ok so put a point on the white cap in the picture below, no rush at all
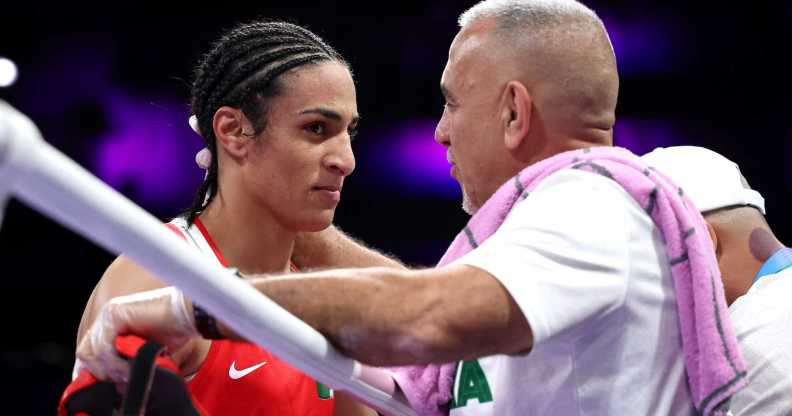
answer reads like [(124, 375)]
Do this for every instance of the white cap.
[(710, 180)]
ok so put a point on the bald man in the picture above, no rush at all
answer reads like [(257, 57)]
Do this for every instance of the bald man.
[(756, 269), (568, 308)]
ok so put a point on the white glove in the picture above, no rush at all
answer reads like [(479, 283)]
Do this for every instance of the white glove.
[(160, 315)]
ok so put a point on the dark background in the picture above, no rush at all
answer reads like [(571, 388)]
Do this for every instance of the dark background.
[(109, 87)]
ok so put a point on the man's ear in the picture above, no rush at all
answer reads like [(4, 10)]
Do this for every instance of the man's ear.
[(516, 114), (714, 237), (232, 131)]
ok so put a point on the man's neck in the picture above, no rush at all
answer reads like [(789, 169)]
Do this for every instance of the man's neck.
[(745, 242), (763, 244)]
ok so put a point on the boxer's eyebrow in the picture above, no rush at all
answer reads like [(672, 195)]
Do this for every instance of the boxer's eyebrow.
[(323, 112), (331, 114)]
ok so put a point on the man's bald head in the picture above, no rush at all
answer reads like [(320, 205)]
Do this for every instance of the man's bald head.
[(525, 80), (560, 50)]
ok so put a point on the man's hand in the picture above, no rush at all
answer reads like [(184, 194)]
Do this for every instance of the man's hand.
[(161, 315)]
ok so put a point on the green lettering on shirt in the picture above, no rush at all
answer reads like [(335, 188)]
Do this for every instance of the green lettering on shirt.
[(472, 385), (324, 392)]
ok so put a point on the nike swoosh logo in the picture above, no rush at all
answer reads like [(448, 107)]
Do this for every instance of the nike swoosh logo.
[(237, 374)]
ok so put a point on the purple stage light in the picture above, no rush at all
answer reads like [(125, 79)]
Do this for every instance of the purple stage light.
[(644, 46), (642, 136), (143, 146), (406, 159), (77, 71), (149, 150)]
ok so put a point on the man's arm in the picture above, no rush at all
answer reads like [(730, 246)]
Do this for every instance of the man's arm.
[(331, 248), (379, 316), (388, 317)]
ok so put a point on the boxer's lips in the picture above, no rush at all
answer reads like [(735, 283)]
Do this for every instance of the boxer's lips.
[(330, 193)]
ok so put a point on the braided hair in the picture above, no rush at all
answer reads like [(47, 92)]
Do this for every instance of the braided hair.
[(242, 71)]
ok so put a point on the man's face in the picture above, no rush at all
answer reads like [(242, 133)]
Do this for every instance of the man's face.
[(469, 127)]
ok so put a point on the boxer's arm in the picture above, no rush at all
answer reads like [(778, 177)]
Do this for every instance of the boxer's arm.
[(331, 248), (125, 277)]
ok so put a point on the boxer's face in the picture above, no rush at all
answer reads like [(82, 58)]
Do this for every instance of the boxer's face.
[(299, 161), (470, 127)]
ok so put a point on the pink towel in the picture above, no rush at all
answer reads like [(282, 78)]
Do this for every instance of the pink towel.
[(713, 363)]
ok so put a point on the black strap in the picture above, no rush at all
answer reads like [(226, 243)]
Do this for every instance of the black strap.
[(141, 377), (155, 391), (205, 323)]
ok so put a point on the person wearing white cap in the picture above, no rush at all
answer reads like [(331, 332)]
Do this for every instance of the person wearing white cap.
[(756, 269)]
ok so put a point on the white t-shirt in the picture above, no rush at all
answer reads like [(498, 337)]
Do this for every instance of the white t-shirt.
[(588, 269), (762, 320)]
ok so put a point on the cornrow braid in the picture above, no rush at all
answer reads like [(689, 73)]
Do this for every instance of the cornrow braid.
[(268, 31), (249, 69), (242, 70), (246, 48), (255, 112)]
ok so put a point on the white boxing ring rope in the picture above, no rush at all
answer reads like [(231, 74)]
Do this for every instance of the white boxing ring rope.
[(50, 182)]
